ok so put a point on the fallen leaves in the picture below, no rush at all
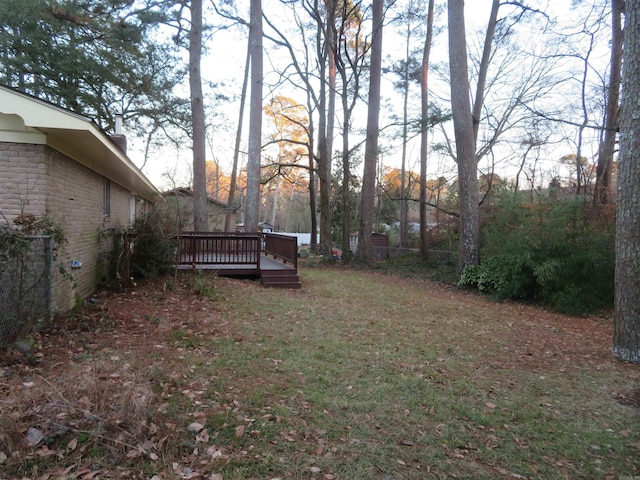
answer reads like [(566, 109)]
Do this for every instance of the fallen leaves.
[(34, 436), (195, 427), (290, 436), (72, 445), (491, 442), (203, 436), (190, 418)]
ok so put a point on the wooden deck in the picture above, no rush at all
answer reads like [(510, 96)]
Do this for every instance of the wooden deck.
[(271, 257)]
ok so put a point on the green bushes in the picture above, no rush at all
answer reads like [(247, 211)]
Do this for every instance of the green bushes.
[(551, 252), (153, 253), (143, 251)]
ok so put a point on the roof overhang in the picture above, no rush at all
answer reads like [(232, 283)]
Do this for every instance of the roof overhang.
[(73, 135)]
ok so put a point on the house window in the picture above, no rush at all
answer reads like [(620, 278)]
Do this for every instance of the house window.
[(132, 209), (106, 197)]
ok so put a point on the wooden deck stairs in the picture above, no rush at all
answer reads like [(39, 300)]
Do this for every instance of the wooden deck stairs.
[(280, 279)]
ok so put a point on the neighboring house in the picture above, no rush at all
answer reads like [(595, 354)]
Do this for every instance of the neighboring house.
[(179, 210), (59, 164)]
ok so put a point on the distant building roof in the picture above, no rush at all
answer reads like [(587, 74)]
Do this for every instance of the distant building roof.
[(187, 192)]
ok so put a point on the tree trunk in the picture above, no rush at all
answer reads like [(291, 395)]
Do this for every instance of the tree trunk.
[(313, 202), (200, 220), (331, 53), (349, 55), (469, 229), (231, 207), (424, 137), (331, 40), (585, 117), (365, 238), (626, 319), (405, 130), (346, 173), (607, 147), (324, 158), (484, 68), (274, 204), (252, 204), (313, 183)]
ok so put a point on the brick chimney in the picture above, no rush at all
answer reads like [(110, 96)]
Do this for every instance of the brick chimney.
[(119, 138)]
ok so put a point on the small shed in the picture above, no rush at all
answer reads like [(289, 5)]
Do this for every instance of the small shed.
[(380, 245), (265, 227)]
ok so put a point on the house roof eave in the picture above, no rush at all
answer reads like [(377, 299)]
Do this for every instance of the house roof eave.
[(79, 138)]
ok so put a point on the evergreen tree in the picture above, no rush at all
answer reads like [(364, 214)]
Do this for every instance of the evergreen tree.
[(98, 58)]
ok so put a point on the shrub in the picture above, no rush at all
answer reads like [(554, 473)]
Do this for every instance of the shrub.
[(143, 251), (549, 253), (202, 286), (27, 250)]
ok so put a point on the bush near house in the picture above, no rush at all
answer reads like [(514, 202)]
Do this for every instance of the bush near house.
[(143, 251), (28, 254), (555, 252)]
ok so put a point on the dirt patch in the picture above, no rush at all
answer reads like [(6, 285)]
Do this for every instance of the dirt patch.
[(628, 398)]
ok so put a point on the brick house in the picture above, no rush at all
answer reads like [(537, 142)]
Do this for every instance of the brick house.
[(58, 164)]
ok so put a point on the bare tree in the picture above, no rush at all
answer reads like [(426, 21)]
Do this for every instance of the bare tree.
[(231, 202), (350, 54), (406, 70), (607, 146), (252, 203), (316, 84), (325, 97), (424, 137), (484, 68)]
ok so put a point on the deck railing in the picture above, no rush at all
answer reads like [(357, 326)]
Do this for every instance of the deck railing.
[(229, 248), (282, 247), (234, 248)]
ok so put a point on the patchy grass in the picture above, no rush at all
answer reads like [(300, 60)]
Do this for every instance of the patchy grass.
[(356, 376)]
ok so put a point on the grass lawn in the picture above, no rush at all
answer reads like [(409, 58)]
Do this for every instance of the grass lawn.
[(357, 375)]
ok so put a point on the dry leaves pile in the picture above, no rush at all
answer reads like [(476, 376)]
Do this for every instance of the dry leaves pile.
[(101, 401)]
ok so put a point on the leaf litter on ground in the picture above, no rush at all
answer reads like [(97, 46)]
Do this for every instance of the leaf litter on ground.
[(406, 377)]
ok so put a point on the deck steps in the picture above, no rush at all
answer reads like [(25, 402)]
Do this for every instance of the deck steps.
[(280, 279)]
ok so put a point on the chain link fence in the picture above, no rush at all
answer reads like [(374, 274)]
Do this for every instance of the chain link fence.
[(25, 284)]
